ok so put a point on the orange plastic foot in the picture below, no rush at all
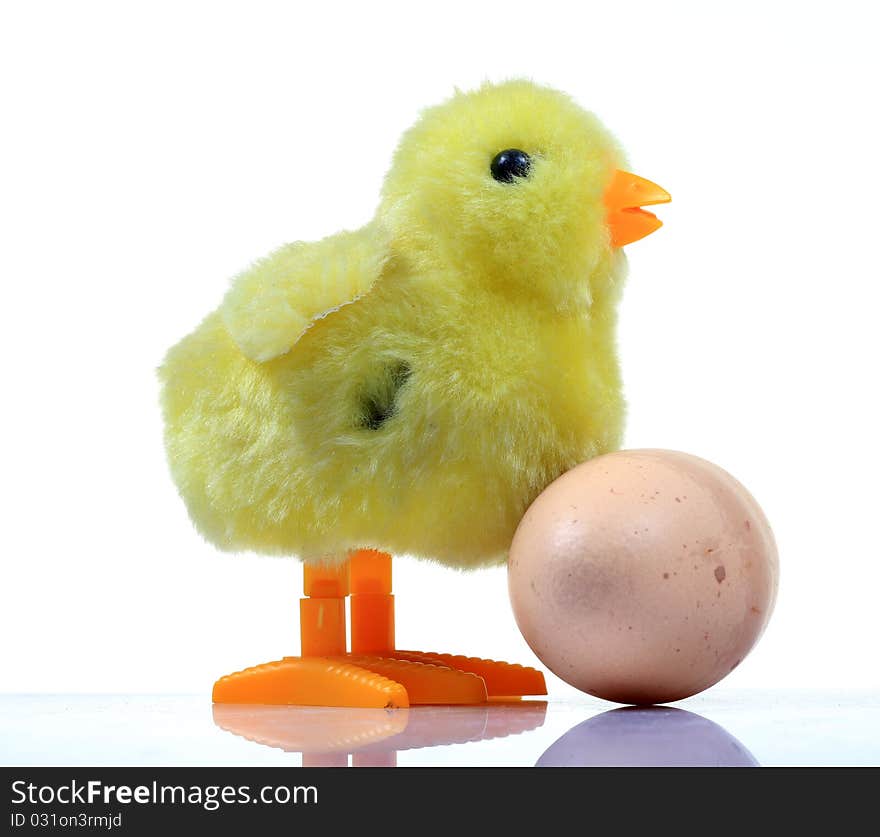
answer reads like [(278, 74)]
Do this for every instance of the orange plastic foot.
[(311, 681), (426, 682), (501, 679)]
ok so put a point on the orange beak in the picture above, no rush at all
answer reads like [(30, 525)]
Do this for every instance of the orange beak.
[(624, 197)]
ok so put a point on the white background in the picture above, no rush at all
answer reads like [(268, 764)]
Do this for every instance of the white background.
[(150, 151)]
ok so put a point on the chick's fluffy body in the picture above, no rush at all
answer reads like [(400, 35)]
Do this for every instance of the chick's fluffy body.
[(413, 385)]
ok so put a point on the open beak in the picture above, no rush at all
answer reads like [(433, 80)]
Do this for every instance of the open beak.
[(624, 197)]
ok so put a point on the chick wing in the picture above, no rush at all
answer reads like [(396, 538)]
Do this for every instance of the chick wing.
[(275, 301)]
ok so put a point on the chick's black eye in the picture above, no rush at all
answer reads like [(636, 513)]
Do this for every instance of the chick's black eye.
[(509, 164)]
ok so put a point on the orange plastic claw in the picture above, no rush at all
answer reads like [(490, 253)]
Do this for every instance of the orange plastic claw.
[(426, 683), (311, 681), (502, 679)]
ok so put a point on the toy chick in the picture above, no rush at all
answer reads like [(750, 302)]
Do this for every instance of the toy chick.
[(410, 387)]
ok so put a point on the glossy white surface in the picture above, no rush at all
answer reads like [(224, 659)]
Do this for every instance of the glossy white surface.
[(732, 727)]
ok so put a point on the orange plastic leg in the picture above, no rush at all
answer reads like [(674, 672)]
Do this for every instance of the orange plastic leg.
[(313, 679), (326, 580), (372, 605), (370, 571), (322, 614), (372, 623), (322, 627), (374, 674)]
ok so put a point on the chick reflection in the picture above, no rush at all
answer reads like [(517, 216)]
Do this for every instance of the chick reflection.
[(655, 736), (327, 735)]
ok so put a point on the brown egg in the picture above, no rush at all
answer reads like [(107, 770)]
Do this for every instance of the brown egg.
[(643, 576)]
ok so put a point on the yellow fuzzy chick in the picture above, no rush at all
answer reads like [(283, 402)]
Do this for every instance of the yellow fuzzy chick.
[(411, 387)]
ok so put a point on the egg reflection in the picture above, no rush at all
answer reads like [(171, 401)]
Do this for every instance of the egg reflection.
[(657, 736)]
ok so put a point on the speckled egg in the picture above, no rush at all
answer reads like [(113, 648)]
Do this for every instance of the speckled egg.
[(643, 576)]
